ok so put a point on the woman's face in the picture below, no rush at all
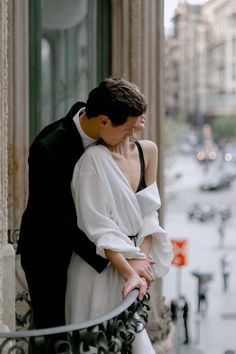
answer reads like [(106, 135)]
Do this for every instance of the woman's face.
[(141, 124)]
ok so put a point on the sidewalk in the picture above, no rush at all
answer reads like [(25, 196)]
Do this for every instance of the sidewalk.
[(179, 348)]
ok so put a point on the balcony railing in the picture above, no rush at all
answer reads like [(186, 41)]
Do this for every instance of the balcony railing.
[(113, 332), (110, 333)]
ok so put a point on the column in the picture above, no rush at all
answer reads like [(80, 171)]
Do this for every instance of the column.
[(18, 126), (7, 256), (137, 55)]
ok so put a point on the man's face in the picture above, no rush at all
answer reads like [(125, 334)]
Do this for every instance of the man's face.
[(113, 135)]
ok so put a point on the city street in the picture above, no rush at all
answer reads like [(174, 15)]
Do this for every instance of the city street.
[(215, 332)]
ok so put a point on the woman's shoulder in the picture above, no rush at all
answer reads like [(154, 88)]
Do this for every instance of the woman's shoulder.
[(149, 148), (148, 145), (150, 153)]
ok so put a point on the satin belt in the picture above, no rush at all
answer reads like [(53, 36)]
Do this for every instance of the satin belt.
[(134, 238)]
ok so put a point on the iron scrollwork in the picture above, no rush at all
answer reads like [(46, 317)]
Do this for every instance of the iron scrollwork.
[(112, 333), (13, 237)]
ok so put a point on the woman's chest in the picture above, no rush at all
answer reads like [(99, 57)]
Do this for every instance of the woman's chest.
[(130, 169)]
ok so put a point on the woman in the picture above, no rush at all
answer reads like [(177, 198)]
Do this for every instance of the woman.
[(117, 211)]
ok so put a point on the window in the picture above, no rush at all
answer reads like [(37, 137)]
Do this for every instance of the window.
[(46, 87), (68, 56)]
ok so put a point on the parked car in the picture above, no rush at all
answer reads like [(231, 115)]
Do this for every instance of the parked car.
[(205, 212), (225, 212), (216, 179), (229, 157), (229, 152), (208, 152)]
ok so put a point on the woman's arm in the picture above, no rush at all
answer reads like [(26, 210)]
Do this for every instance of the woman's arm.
[(146, 245), (144, 267), (132, 279), (161, 248), (150, 152)]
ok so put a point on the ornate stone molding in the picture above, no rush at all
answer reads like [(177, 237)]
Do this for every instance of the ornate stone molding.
[(3, 120), (7, 254), (18, 116), (18, 126), (3, 137)]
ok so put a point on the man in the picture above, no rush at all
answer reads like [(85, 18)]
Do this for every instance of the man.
[(185, 318), (226, 267), (49, 231), (174, 310)]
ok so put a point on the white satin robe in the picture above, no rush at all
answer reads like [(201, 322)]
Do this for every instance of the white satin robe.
[(108, 211)]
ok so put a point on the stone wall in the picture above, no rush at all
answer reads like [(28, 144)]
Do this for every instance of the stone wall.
[(7, 254)]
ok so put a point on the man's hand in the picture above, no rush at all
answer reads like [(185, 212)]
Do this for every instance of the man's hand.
[(144, 268), (134, 281)]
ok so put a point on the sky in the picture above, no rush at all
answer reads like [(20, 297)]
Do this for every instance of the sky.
[(169, 9)]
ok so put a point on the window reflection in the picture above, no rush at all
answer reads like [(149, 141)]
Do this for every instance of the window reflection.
[(65, 58), (46, 93), (82, 59)]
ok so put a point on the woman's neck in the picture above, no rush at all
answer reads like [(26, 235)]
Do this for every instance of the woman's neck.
[(123, 148)]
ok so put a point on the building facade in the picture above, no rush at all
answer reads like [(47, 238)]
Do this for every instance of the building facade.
[(203, 75), (7, 258), (52, 54), (220, 19)]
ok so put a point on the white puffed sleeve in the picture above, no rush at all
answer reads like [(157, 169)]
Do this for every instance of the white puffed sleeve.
[(96, 210), (161, 249)]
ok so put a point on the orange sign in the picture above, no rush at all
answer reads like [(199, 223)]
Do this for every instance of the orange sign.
[(179, 249)]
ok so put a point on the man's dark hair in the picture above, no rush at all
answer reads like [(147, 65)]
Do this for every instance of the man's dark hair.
[(116, 98)]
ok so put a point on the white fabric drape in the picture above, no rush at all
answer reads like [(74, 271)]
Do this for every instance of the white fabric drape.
[(108, 211)]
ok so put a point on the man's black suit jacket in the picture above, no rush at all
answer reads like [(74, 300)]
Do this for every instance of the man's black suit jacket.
[(49, 231)]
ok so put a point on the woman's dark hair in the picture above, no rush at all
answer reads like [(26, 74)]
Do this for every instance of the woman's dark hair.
[(116, 98)]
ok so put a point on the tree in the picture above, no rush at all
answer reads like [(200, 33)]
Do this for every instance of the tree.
[(224, 128)]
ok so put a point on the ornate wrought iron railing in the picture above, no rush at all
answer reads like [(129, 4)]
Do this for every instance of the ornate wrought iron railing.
[(111, 333), (13, 237), (23, 303)]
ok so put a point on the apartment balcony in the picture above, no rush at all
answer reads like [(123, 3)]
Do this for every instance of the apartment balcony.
[(110, 333), (113, 332)]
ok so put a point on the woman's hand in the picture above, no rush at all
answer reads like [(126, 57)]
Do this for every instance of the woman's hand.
[(131, 277), (144, 268), (134, 281)]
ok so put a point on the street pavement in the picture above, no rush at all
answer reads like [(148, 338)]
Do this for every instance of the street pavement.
[(214, 333)]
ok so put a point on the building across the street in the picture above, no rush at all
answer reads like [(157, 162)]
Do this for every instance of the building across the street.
[(201, 61)]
